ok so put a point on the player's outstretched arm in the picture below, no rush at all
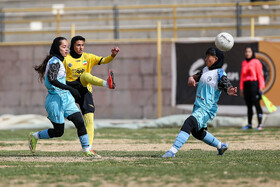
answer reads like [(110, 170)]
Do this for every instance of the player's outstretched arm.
[(109, 58), (232, 91)]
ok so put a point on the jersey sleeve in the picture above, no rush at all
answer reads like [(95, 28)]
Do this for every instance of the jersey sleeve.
[(223, 81), (197, 76), (53, 71), (106, 60), (260, 77)]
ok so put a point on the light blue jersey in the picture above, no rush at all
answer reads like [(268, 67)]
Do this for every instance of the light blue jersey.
[(59, 103), (61, 76), (207, 96)]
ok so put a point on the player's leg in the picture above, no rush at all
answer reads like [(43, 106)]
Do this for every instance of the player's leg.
[(57, 131), (55, 114), (72, 113), (87, 78), (182, 137), (78, 121), (87, 107), (249, 114), (202, 118), (259, 114), (89, 121), (211, 140)]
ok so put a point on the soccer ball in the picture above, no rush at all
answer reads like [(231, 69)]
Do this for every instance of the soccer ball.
[(224, 41)]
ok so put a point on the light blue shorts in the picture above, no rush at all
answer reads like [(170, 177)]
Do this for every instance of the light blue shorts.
[(60, 105), (202, 116)]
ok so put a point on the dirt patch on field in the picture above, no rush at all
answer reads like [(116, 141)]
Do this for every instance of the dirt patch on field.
[(256, 141), (259, 182), (244, 142)]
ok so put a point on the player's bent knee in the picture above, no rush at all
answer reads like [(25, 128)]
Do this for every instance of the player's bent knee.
[(58, 133), (78, 121), (189, 125), (199, 134)]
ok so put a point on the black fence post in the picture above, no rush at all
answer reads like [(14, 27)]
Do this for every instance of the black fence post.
[(238, 20), (116, 22), (2, 26)]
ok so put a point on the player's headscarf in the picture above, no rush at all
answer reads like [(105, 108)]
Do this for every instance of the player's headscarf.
[(54, 51), (73, 41), (253, 54), (217, 53)]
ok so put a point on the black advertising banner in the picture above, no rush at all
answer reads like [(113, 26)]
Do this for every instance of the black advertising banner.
[(190, 60)]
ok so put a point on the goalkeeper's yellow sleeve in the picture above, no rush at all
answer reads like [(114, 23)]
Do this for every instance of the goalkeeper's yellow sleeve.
[(107, 60), (87, 78)]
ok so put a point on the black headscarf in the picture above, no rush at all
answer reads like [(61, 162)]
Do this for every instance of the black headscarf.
[(253, 54), (73, 41), (55, 48), (217, 53)]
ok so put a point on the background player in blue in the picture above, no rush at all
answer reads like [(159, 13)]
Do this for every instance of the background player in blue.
[(211, 81), (59, 101)]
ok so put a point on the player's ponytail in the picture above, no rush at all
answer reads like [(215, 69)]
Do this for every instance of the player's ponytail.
[(42, 68)]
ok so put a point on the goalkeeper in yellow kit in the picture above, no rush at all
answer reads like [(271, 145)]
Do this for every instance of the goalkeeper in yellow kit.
[(78, 66)]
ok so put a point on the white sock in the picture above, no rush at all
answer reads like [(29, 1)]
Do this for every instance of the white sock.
[(86, 149), (90, 147), (105, 84), (36, 135), (173, 150), (219, 145)]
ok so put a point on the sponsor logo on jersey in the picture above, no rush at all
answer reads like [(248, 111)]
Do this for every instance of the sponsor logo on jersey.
[(85, 62), (80, 71)]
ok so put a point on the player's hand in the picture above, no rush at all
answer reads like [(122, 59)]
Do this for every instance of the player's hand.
[(191, 81), (261, 92), (75, 93), (241, 93), (115, 51), (232, 91)]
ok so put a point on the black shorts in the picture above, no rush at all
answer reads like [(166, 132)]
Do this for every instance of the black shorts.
[(86, 103), (251, 91)]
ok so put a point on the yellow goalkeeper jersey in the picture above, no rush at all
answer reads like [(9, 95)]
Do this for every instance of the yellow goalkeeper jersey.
[(75, 67)]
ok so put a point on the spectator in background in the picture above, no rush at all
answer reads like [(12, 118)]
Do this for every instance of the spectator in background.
[(251, 86)]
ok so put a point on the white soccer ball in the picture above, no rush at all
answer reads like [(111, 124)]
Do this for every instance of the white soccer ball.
[(224, 41)]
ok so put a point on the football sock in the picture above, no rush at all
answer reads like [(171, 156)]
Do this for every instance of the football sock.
[(219, 145), (181, 138), (211, 140), (36, 135), (105, 84), (43, 134), (84, 142), (89, 126), (93, 80), (173, 149)]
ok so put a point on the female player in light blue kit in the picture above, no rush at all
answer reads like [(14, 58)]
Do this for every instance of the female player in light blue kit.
[(211, 81), (59, 101)]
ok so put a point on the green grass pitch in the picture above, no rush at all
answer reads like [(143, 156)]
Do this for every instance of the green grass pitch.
[(132, 158)]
